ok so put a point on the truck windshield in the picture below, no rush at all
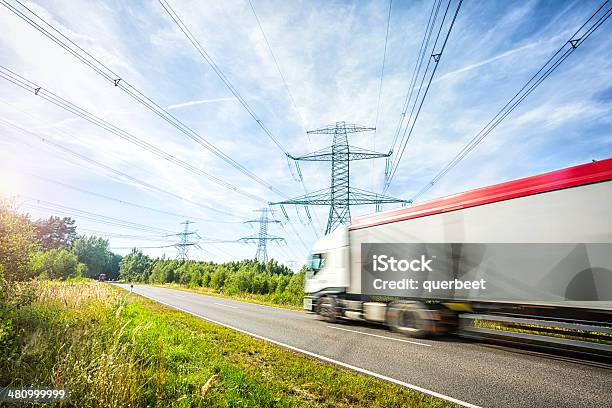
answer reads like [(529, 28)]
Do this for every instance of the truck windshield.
[(316, 262)]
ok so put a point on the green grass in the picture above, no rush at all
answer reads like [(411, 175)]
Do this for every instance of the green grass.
[(245, 297), (114, 349), (581, 335)]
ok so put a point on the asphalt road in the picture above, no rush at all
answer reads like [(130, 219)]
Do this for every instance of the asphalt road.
[(469, 373)]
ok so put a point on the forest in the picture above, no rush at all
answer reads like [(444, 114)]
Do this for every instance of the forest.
[(52, 249)]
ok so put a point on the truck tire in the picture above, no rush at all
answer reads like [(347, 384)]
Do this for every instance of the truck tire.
[(327, 308), (409, 318)]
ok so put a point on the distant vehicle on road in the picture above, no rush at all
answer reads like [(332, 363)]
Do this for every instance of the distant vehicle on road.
[(102, 277), (480, 234)]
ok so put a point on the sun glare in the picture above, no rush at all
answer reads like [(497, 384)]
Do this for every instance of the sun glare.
[(11, 183)]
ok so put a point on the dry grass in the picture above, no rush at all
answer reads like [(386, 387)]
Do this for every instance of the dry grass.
[(113, 349), (67, 339)]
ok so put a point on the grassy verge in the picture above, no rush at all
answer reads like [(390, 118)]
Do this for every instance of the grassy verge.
[(114, 349), (594, 337), (245, 297)]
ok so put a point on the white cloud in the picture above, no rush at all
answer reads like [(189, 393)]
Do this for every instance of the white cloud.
[(197, 102)]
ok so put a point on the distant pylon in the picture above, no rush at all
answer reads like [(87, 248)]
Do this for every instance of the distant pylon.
[(340, 196), (262, 237), (182, 248)]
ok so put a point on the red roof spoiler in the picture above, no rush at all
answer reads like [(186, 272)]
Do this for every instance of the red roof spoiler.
[(580, 175)]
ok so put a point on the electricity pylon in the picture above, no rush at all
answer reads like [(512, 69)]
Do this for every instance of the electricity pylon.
[(262, 237), (182, 248), (340, 196)]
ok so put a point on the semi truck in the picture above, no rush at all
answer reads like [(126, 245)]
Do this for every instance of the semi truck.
[(536, 251)]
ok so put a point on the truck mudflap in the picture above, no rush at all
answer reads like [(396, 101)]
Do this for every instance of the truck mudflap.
[(308, 303)]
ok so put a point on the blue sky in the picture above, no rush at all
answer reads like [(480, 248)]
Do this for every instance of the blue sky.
[(330, 54)]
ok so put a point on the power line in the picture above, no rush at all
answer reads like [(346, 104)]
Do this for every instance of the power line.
[(280, 72), (30, 145), (85, 57), (165, 237), (382, 74), (295, 233), (103, 219), (55, 99), (299, 178), (94, 218), (435, 57), (182, 247), (380, 86), (209, 60), (433, 15), (107, 234), (163, 234), (209, 253), (120, 201), (263, 237), (553, 62), (206, 56), (143, 247), (110, 169), (99, 195), (340, 196), (124, 236), (220, 252)]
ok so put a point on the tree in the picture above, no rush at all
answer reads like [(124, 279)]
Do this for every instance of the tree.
[(158, 272), (17, 243), (81, 270), (163, 271), (135, 267), (56, 232), (217, 278), (112, 266), (295, 289), (93, 252), (55, 264)]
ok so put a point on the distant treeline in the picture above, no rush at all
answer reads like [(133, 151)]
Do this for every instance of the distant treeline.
[(52, 249), (230, 278)]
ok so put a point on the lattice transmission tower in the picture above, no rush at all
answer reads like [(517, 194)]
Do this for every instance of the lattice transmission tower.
[(263, 237), (340, 196), (185, 241)]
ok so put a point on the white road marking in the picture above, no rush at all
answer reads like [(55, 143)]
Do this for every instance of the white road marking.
[(221, 304), (280, 309), (382, 337), (323, 358)]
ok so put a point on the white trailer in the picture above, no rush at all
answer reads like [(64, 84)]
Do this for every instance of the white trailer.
[(569, 206)]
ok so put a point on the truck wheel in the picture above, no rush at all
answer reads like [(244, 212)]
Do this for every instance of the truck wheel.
[(327, 309), (409, 318)]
